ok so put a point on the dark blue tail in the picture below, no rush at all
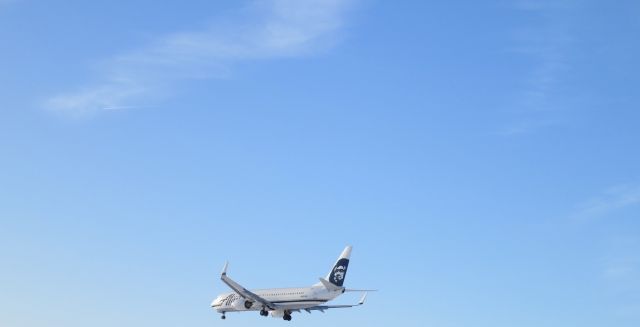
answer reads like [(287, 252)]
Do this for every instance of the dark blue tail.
[(338, 274)]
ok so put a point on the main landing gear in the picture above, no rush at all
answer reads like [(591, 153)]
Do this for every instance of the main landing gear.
[(287, 315), (264, 312)]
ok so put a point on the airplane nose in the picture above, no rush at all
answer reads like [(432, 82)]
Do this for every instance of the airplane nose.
[(216, 302)]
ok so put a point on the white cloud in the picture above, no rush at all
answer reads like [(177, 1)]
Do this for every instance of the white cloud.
[(612, 199), (265, 30)]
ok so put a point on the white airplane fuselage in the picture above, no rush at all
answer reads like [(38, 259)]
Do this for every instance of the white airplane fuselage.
[(294, 298)]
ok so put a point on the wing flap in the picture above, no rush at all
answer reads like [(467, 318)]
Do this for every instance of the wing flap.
[(322, 308)]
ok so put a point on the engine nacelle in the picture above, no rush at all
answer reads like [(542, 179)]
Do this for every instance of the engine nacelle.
[(242, 304), (277, 313)]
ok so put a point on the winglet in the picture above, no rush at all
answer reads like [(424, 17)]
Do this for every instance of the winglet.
[(364, 297), (224, 270)]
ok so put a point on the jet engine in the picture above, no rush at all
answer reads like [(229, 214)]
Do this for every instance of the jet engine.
[(277, 313), (284, 314), (241, 304)]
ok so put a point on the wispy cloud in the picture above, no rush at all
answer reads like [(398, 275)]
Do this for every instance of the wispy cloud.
[(6, 2), (546, 43), (621, 274), (619, 263), (612, 199), (524, 126), (263, 30)]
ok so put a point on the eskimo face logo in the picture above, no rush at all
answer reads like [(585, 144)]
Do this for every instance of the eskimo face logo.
[(338, 273)]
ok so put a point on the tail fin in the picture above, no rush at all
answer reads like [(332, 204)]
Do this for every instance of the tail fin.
[(338, 273)]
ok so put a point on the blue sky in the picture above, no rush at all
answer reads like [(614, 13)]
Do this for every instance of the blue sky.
[(481, 157)]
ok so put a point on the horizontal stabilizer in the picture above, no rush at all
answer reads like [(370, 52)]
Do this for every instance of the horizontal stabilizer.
[(354, 290)]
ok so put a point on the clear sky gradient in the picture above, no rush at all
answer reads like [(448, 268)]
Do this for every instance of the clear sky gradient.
[(481, 157)]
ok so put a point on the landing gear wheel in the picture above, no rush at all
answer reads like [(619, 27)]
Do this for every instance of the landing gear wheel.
[(223, 317), (287, 317), (264, 312)]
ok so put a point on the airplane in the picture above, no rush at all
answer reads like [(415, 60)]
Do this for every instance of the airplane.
[(282, 302)]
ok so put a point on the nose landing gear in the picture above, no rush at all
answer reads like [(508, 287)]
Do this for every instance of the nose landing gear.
[(264, 312)]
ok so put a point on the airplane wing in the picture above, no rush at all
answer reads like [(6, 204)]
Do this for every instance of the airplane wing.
[(322, 308), (245, 293)]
